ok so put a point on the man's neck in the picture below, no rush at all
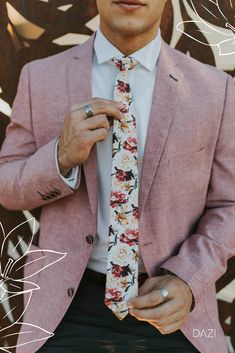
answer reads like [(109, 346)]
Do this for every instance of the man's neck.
[(128, 45)]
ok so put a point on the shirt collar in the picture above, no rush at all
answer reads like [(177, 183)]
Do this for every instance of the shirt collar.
[(146, 56)]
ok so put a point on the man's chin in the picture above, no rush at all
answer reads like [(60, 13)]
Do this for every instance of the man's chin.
[(129, 29)]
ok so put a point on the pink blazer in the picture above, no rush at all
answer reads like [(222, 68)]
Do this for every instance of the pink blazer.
[(187, 190)]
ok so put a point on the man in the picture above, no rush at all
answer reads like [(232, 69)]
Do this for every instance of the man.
[(58, 154)]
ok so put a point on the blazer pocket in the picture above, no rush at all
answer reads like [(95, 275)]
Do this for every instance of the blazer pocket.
[(186, 155), (186, 172)]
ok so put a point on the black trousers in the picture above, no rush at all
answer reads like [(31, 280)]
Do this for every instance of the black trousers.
[(90, 327)]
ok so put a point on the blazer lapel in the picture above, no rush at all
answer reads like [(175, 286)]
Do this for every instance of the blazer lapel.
[(164, 103), (79, 82)]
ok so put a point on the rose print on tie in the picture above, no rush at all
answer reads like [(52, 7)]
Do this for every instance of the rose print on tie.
[(122, 266)]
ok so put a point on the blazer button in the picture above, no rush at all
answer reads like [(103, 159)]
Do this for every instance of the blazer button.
[(70, 292), (54, 193), (90, 239), (57, 191)]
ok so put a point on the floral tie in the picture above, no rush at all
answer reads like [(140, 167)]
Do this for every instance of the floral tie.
[(122, 267)]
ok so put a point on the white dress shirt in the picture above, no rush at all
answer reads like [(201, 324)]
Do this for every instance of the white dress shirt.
[(142, 81)]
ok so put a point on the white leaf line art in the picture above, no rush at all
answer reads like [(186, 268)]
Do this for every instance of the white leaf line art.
[(226, 40), (4, 248), (9, 282), (2, 230), (46, 254), (13, 280), (16, 288), (31, 330), (29, 296)]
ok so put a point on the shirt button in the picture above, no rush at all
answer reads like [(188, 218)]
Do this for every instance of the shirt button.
[(90, 239), (70, 292)]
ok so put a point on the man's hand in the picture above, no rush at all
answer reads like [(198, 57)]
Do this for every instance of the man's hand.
[(81, 133), (169, 316)]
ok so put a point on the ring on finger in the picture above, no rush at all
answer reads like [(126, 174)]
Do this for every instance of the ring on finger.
[(88, 110), (164, 293)]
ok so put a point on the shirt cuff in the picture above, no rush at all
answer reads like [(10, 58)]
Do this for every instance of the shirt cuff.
[(72, 179)]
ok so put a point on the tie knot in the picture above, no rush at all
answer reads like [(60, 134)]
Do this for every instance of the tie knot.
[(125, 63)]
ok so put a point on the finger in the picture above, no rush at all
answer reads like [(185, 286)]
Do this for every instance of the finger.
[(148, 300), (149, 284), (146, 287), (156, 313), (77, 106), (98, 106), (109, 108), (171, 318), (97, 122), (174, 306), (97, 135), (168, 328)]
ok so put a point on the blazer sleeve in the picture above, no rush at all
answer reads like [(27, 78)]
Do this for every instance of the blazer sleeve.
[(28, 176), (202, 257)]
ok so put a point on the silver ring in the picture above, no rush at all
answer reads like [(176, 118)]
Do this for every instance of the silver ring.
[(165, 294), (88, 110)]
